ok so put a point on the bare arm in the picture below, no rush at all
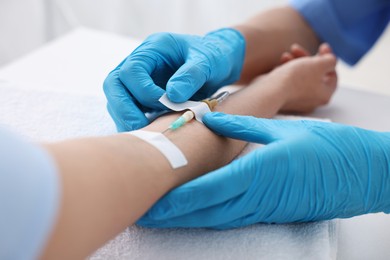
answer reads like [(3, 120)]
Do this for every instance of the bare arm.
[(271, 33), (109, 182)]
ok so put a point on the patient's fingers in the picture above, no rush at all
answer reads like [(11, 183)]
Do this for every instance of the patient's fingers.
[(326, 65), (324, 49), (298, 51), (330, 79), (286, 57)]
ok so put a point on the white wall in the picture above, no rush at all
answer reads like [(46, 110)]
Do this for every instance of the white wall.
[(22, 27), (25, 24), (140, 18)]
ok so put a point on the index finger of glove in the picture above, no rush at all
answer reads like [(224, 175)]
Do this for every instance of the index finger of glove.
[(123, 108), (135, 74)]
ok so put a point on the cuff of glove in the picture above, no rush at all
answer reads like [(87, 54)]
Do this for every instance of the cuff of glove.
[(231, 44), (381, 163)]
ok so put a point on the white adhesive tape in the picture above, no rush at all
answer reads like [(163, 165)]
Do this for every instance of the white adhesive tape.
[(199, 108), (175, 157)]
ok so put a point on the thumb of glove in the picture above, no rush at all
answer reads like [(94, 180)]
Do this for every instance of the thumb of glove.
[(187, 80), (246, 128)]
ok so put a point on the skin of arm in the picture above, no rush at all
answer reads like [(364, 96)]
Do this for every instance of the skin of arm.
[(271, 33), (109, 182)]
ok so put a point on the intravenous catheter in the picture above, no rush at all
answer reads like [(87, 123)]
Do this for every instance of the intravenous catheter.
[(189, 115)]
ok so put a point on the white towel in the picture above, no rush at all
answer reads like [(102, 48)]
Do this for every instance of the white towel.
[(53, 116)]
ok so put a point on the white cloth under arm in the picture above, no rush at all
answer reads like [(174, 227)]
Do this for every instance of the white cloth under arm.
[(29, 197)]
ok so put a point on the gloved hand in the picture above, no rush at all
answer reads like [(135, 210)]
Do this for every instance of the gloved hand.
[(308, 171), (184, 66)]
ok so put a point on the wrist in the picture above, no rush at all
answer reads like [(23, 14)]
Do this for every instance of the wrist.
[(198, 144), (386, 140), (374, 154), (279, 85)]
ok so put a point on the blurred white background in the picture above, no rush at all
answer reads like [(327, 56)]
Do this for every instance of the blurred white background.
[(27, 24)]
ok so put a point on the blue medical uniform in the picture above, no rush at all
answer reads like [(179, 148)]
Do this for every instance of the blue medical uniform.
[(351, 27), (29, 197)]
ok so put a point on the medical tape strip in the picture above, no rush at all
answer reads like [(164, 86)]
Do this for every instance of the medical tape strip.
[(175, 157), (199, 108)]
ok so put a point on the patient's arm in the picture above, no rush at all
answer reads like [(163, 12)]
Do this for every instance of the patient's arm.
[(270, 33), (109, 182)]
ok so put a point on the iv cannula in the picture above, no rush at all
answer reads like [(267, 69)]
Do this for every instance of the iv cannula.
[(189, 115)]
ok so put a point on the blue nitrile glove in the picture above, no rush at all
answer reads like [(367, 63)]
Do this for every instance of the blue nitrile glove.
[(308, 171), (185, 66)]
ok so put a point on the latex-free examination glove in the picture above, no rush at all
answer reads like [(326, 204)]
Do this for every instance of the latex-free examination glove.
[(308, 171), (184, 66)]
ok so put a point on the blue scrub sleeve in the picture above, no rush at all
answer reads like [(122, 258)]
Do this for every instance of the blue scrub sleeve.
[(29, 197), (351, 27)]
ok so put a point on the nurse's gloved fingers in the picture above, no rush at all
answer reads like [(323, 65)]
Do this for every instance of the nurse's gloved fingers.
[(246, 128), (244, 221), (213, 215), (231, 196), (209, 190), (122, 106), (135, 75), (203, 218), (187, 80), (120, 126)]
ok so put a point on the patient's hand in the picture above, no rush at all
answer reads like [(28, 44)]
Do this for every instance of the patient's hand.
[(308, 80)]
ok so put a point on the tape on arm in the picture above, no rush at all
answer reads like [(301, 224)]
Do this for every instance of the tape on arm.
[(173, 154), (199, 108)]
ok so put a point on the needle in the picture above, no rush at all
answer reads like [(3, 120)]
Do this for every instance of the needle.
[(189, 115)]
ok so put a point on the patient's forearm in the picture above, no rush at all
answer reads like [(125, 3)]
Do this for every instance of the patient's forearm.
[(269, 34), (109, 182)]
